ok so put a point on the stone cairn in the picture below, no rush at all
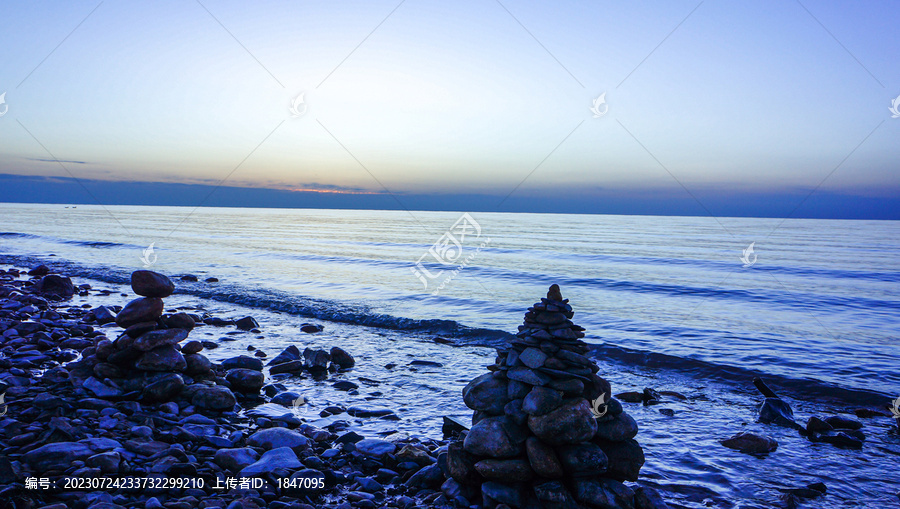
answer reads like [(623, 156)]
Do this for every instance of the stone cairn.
[(546, 432), (148, 362)]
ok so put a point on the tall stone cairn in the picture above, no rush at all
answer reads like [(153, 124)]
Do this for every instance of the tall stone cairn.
[(546, 432)]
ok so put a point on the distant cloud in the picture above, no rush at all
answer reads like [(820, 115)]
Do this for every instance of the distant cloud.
[(56, 160), (314, 187)]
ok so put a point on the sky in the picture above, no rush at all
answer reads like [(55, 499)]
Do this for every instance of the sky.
[(709, 102)]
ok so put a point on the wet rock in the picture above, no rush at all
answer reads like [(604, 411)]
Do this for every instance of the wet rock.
[(315, 360), (163, 358), (107, 462), (271, 438), (461, 465), (196, 364), (278, 458), (56, 456), (246, 323), (751, 443), (571, 423), (605, 493), (511, 470), (554, 495), (375, 448), (582, 460), (486, 393), (532, 357), (153, 339), (501, 493), (164, 389), (625, 459), (528, 376), (213, 398), (103, 315), (541, 400), (429, 477), (648, 498), (543, 459), (100, 389), (630, 397), (144, 309), (39, 270), (191, 278), (495, 437), (242, 361), (842, 422), (843, 440), (310, 328), (248, 381), (816, 425), (343, 359), (295, 366), (369, 412), (52, 285), (235, 460), (291, 353), (191, 347), (617, 428), (151, 284), (180, 321), (777, 411)]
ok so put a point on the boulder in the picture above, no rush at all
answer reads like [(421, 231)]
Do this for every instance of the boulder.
[(543, 459), (246, 323), (495, 437), (196, 364), (341, 358), (291, 353), (842, 422), (163, 358), (248, 381), (153, 339), (235, 460), (751, 443), (375, 448), (103, 315), (180, 321), (542, 400), (144, 309), (511, 470), (164, 389), (215, 398), (278, 458), (616, 428), (582, 460), (486, 393), (648, 498), (554, 495), (52, 285), (571, 423), (151, 284), (777, 411), (461, 465), (242, 361), (604, 493), (56, 456), (272, 438), (625, 459)]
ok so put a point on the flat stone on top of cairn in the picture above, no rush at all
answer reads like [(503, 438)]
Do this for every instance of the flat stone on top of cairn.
[(543, 432)]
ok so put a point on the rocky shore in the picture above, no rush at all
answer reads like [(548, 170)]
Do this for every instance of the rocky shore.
[(122, 392)]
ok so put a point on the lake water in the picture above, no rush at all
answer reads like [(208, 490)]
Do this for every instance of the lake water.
[(665, 300)]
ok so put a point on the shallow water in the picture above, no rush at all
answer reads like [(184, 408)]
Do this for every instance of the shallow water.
[(666, 301)]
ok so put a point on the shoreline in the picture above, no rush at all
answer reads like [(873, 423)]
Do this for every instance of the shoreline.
[(55, 400)]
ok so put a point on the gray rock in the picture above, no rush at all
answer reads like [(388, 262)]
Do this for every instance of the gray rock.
[(486, 393), (777, 411), (510, 470), (841, 422), (542, 400), (582, 460), (56, 456), (100, 389), (648, 498), (144, 309), (554, 495), (154, 339), (246, 323), (53, 285), (532, 357), (242, 361), (571, 423), (164, 389), (235, 460), (751, 443), (625, 459), (151, 284), (528, 376), (280, 457), (163, 358), (617, 428), (375, 448), (495, 437), (273, 438), (343, 359), (216, 398), (604, 493), (543, 459), (248, 381)]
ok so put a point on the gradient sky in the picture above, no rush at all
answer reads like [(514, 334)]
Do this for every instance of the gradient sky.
[(456, 97)]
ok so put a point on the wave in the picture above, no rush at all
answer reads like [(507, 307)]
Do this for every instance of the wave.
[(18, 235), (95, 244), (741, 378)]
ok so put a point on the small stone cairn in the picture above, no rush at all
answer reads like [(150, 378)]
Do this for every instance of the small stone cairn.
[(148, 362), (546, 432)]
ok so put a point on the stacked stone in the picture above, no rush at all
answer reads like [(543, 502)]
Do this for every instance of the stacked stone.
[(148, 361), (546, 432)]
